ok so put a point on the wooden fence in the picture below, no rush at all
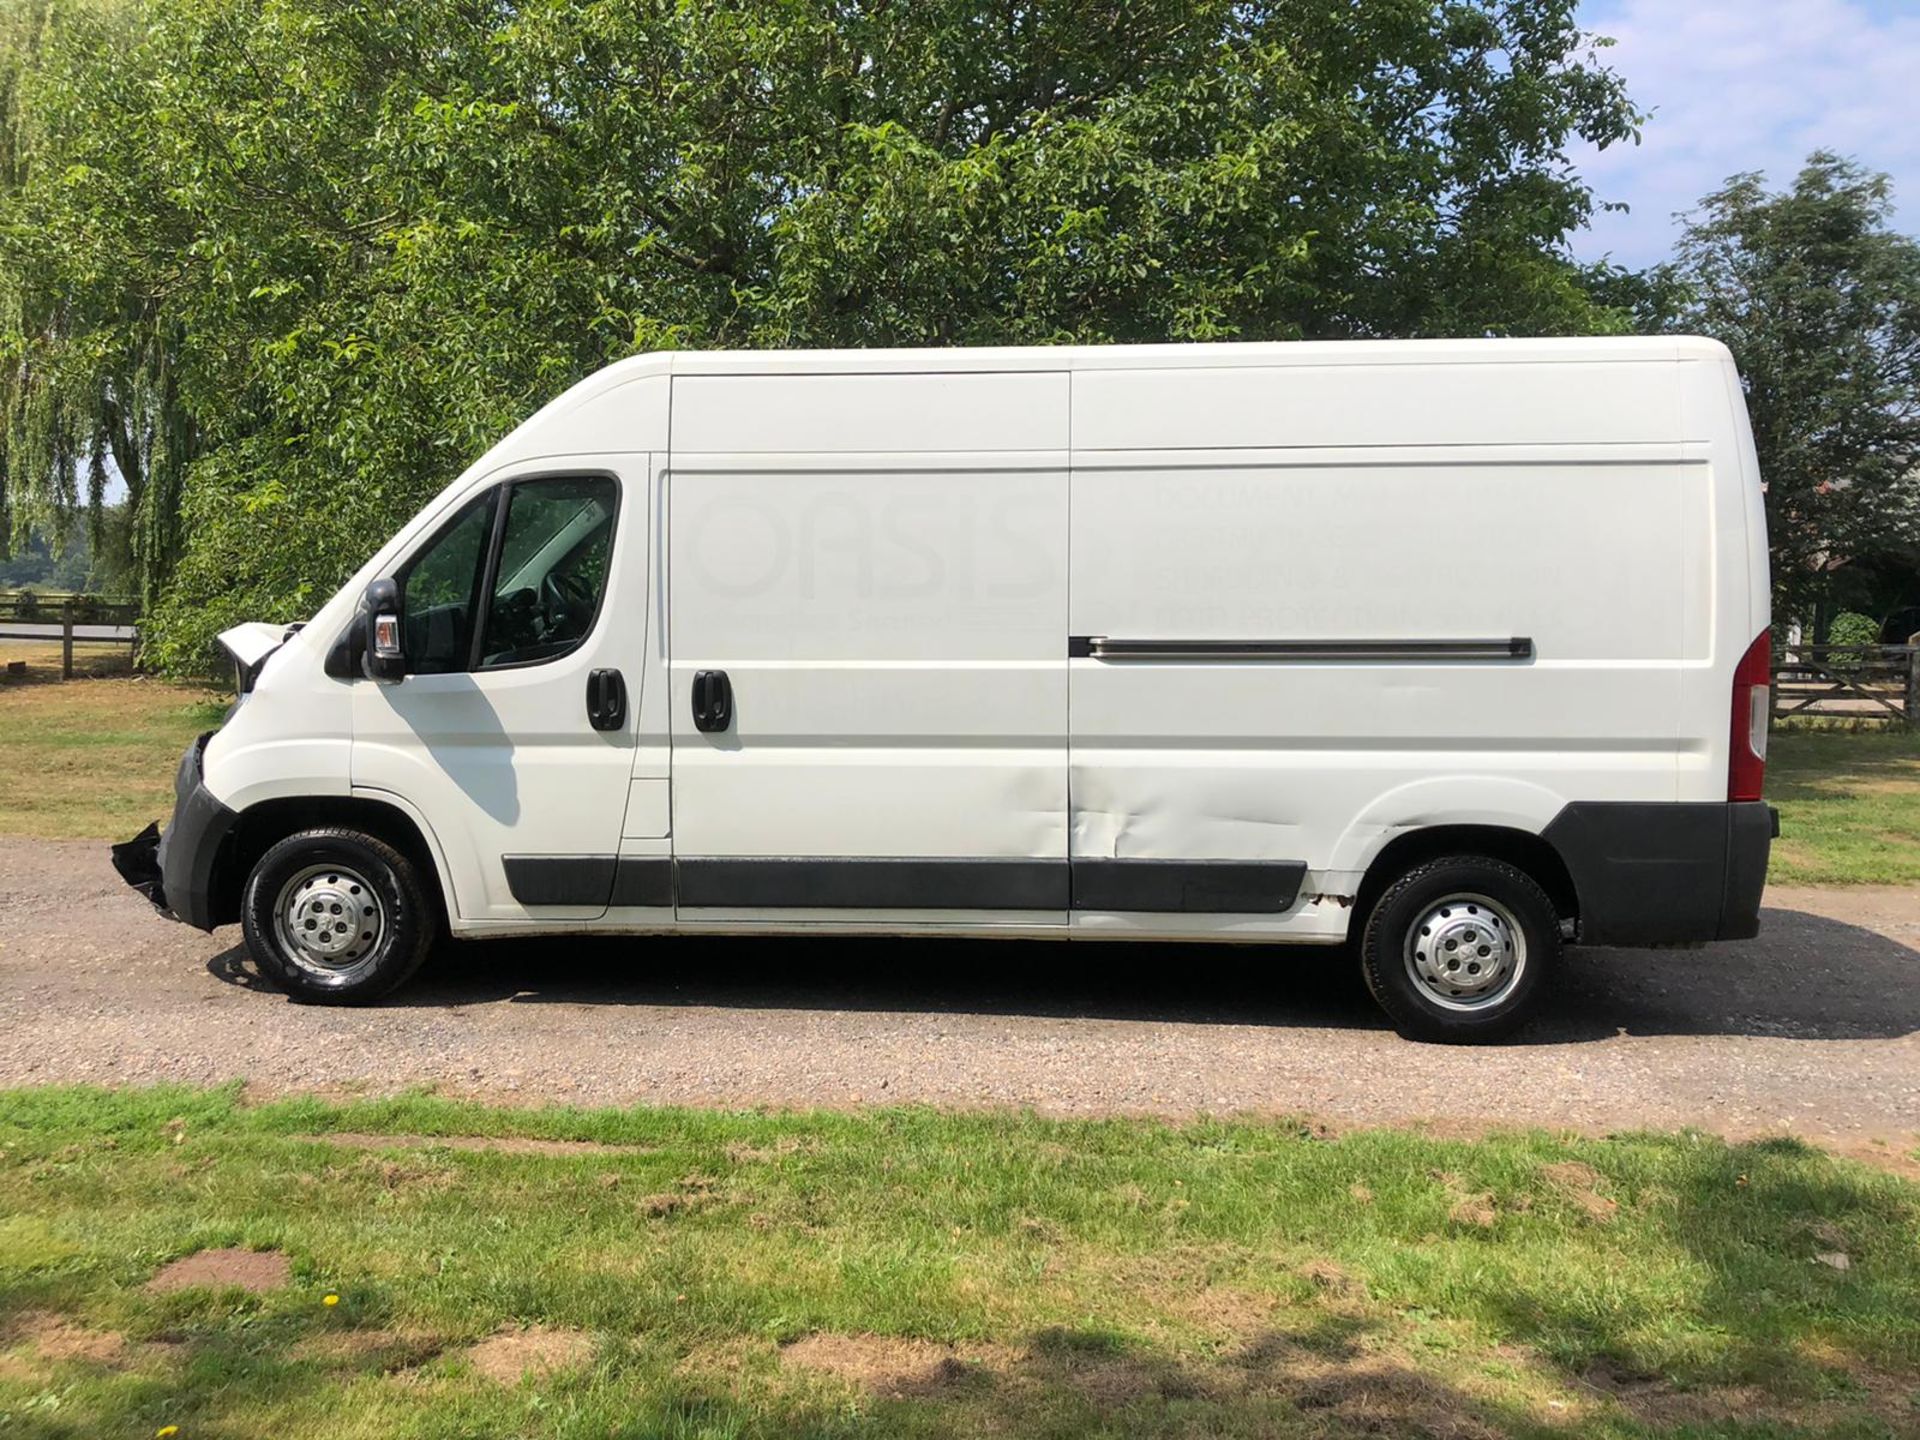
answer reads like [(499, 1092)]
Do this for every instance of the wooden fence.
[(72, 620), (1854, 682)]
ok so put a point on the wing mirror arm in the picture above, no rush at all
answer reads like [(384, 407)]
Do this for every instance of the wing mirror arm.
[(384, 652)]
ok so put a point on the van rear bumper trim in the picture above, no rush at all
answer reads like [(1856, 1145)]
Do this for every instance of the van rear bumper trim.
[(1665, 873)]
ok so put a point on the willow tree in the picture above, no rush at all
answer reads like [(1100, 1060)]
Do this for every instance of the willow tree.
[(88, 352), (313, 256)]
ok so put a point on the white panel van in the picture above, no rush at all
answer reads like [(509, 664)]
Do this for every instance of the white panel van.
[(1453, 650)]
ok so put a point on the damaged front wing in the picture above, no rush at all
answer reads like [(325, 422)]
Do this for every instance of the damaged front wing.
[(138, 861), (177, 868)]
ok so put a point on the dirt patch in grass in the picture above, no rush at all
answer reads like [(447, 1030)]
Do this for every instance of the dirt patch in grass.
[(1373, 1394), (408, 1174), (741, 1153), (663, 1203), (1655, 1402), (1221, 1310), (1580, 1184), (530, 1351), (1114, 1384), (1330, 1278), (1106, 1376), (256, 1271), (1895, 1160), (1369, 1392), (1477, 1210), (1471, 1208), (1660, 1405), (54, 1337), (893, 1366), (386, 1350), (1199, 1285), (692, 1192), (725, 1361), (494, 1144), (1224, 1310), (1110, 1376)]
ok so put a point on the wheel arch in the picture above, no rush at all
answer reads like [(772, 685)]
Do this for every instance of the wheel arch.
[(1526, 851), (1499, 816), (263, 825)]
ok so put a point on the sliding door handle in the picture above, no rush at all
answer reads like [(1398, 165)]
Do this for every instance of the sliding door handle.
[(712, 701)]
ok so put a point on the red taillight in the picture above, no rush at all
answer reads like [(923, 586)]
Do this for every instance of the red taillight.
[(1752, 708)]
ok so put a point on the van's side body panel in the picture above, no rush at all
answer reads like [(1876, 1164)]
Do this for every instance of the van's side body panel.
[(890, 622), (942, 586), (1398, 503)]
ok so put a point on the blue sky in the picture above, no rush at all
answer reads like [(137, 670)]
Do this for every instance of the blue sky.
[(1749, 85)]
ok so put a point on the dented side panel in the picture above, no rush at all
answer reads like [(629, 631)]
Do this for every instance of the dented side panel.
[(1475, 527)]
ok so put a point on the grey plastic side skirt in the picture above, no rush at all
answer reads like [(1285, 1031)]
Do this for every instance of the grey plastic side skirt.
[(855, 883)]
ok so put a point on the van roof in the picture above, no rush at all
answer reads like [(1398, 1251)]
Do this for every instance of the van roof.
[(953, 359)]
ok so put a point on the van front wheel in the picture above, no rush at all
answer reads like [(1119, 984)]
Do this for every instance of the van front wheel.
[(1457, 949), (336, 916)]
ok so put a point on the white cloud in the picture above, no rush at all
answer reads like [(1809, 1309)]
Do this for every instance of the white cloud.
[(1749, 85)]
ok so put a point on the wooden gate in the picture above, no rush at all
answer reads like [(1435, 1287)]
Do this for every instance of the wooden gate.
[(1853, 682)]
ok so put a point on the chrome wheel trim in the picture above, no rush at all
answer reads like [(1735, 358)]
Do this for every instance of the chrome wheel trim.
[(330, 921), (1466, 953)]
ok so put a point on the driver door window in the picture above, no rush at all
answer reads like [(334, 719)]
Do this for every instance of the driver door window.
[(536, 557), (551, 570)]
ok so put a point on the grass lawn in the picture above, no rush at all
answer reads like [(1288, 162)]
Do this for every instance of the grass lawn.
[(682, 1273), (1849, 807), (90, 758)]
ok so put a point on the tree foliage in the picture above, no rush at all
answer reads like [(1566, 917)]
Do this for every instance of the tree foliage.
[(292, 264), (88, 363), (1819, 300)]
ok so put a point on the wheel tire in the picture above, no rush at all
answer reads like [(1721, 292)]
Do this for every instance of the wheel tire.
[(1446, 900), (298, 903)]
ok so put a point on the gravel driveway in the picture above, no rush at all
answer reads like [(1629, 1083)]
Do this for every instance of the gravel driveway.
[(1814, 1028)]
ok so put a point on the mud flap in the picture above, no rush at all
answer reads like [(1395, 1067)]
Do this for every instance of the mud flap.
[(138, 861)]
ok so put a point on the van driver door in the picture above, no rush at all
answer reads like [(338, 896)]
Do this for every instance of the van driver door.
[(513, 734)]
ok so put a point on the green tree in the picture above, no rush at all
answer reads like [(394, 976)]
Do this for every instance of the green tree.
[(88, 379), (1819, 300), (301, 260)]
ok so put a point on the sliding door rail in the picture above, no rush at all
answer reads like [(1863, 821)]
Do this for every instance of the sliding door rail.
[(1106, 647)]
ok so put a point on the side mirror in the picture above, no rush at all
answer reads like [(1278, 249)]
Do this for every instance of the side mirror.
[(386, 654)]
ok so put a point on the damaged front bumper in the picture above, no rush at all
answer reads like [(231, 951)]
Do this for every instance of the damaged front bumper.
[(177, 868)]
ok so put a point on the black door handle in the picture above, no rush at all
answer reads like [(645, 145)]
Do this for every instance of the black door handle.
[(712, 701), (606, 699)]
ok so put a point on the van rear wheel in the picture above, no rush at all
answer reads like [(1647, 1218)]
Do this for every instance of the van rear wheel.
[(1457, 949), (337, 916)]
